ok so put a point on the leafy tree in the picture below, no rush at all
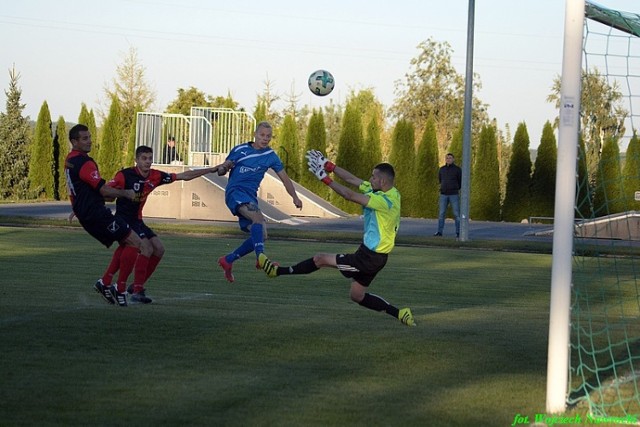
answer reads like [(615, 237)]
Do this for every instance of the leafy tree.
[(631, 173), (289, 147), (15, 139), (193, 97), (543, 181), (316, 140), (516, 200), (485, 179), (350, 148), (608, 190), (61, 147), (42, 162), (402, 158), (132, 91), (426, 168), (602, 114), (110, 158), (434, 88)]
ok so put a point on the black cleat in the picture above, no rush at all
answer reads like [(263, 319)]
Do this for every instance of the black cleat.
[(105, 291)]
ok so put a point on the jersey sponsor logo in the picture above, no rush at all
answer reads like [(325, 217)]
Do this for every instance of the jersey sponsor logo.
[(113, 227), (246, 169)]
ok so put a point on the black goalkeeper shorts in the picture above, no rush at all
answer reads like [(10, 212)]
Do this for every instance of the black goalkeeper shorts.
[(362, 266)]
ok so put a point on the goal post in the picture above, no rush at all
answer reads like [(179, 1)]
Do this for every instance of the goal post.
[(561, 268)]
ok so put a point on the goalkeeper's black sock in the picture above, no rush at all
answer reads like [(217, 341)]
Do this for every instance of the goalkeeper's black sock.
[(304, 267), (374, 302)]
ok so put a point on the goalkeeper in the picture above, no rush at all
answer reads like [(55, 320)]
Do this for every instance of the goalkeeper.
[(381, 205)]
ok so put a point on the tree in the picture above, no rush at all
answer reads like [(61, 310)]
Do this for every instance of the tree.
[(426, 168), (350, 148), (402, 158), (631, 173), (608, 191), (455, 147), (516, 199), (289, 147), (15, 138), (88, 119), (434, 88), (316, 140), (601, 114), (61, 147), (485, 179), (543, 181), (373, 149), (132, 92), (584, 194), (42, 162), (110, 158), (193, 97)]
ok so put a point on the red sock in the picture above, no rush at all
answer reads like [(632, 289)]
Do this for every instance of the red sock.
[(140, 273), (107, 278), (127, 261), (153, 263)]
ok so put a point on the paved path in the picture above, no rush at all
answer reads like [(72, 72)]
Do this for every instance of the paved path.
[(482, 230)]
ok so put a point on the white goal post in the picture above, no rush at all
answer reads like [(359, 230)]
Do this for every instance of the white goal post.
[(561, 269)]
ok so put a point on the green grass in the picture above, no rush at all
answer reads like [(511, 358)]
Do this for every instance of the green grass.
[(291, 351)]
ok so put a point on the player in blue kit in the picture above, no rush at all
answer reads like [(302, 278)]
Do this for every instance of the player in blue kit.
[(251, 161)]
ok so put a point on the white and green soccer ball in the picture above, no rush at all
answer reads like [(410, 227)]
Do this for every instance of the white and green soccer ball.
[(321, 82)]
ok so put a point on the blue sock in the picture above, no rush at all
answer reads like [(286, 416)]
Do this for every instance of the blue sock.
[(245, 248), (258, 239)]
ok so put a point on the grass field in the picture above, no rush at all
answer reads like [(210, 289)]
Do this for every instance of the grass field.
[(291, 351)]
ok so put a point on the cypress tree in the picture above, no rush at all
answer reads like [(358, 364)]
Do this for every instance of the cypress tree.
[(110, 155), (402, 157), (631, 173), (427, 168), (584, 192), (15, 137), (516, 200), (456, 145), (543, 181), (316, 139), (88, 119), (42, 162), (61, 147), (485, 179), (372, 154), (608, 192), (349, 153), (289, 148)]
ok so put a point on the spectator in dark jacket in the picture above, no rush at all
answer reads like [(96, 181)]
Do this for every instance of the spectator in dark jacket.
[(450, 178)]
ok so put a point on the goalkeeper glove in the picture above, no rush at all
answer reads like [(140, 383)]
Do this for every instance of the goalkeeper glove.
[(316, 156), (319, 172)]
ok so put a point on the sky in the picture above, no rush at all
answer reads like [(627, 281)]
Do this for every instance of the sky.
[(67, 51)]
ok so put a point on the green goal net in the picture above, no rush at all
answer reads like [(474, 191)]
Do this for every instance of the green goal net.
[(605, 297)]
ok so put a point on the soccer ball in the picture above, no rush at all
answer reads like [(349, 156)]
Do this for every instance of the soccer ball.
[(321, 82)]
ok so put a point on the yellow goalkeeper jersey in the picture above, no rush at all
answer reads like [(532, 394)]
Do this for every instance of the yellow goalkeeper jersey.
[(381, 218)]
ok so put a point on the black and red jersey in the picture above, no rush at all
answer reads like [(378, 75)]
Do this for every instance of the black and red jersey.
[(130, 178), (83, 184)]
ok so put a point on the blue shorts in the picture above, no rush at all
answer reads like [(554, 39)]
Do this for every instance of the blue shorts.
[(236, 198)]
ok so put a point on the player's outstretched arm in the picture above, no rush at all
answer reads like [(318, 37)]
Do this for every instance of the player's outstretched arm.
[(221, 169), (315, 157), (353, 196)]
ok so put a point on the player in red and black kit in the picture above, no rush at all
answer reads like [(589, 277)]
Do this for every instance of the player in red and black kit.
[(87, 191), (143, 180)]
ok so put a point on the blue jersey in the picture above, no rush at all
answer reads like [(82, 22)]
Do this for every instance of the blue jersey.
[(249, 168)]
